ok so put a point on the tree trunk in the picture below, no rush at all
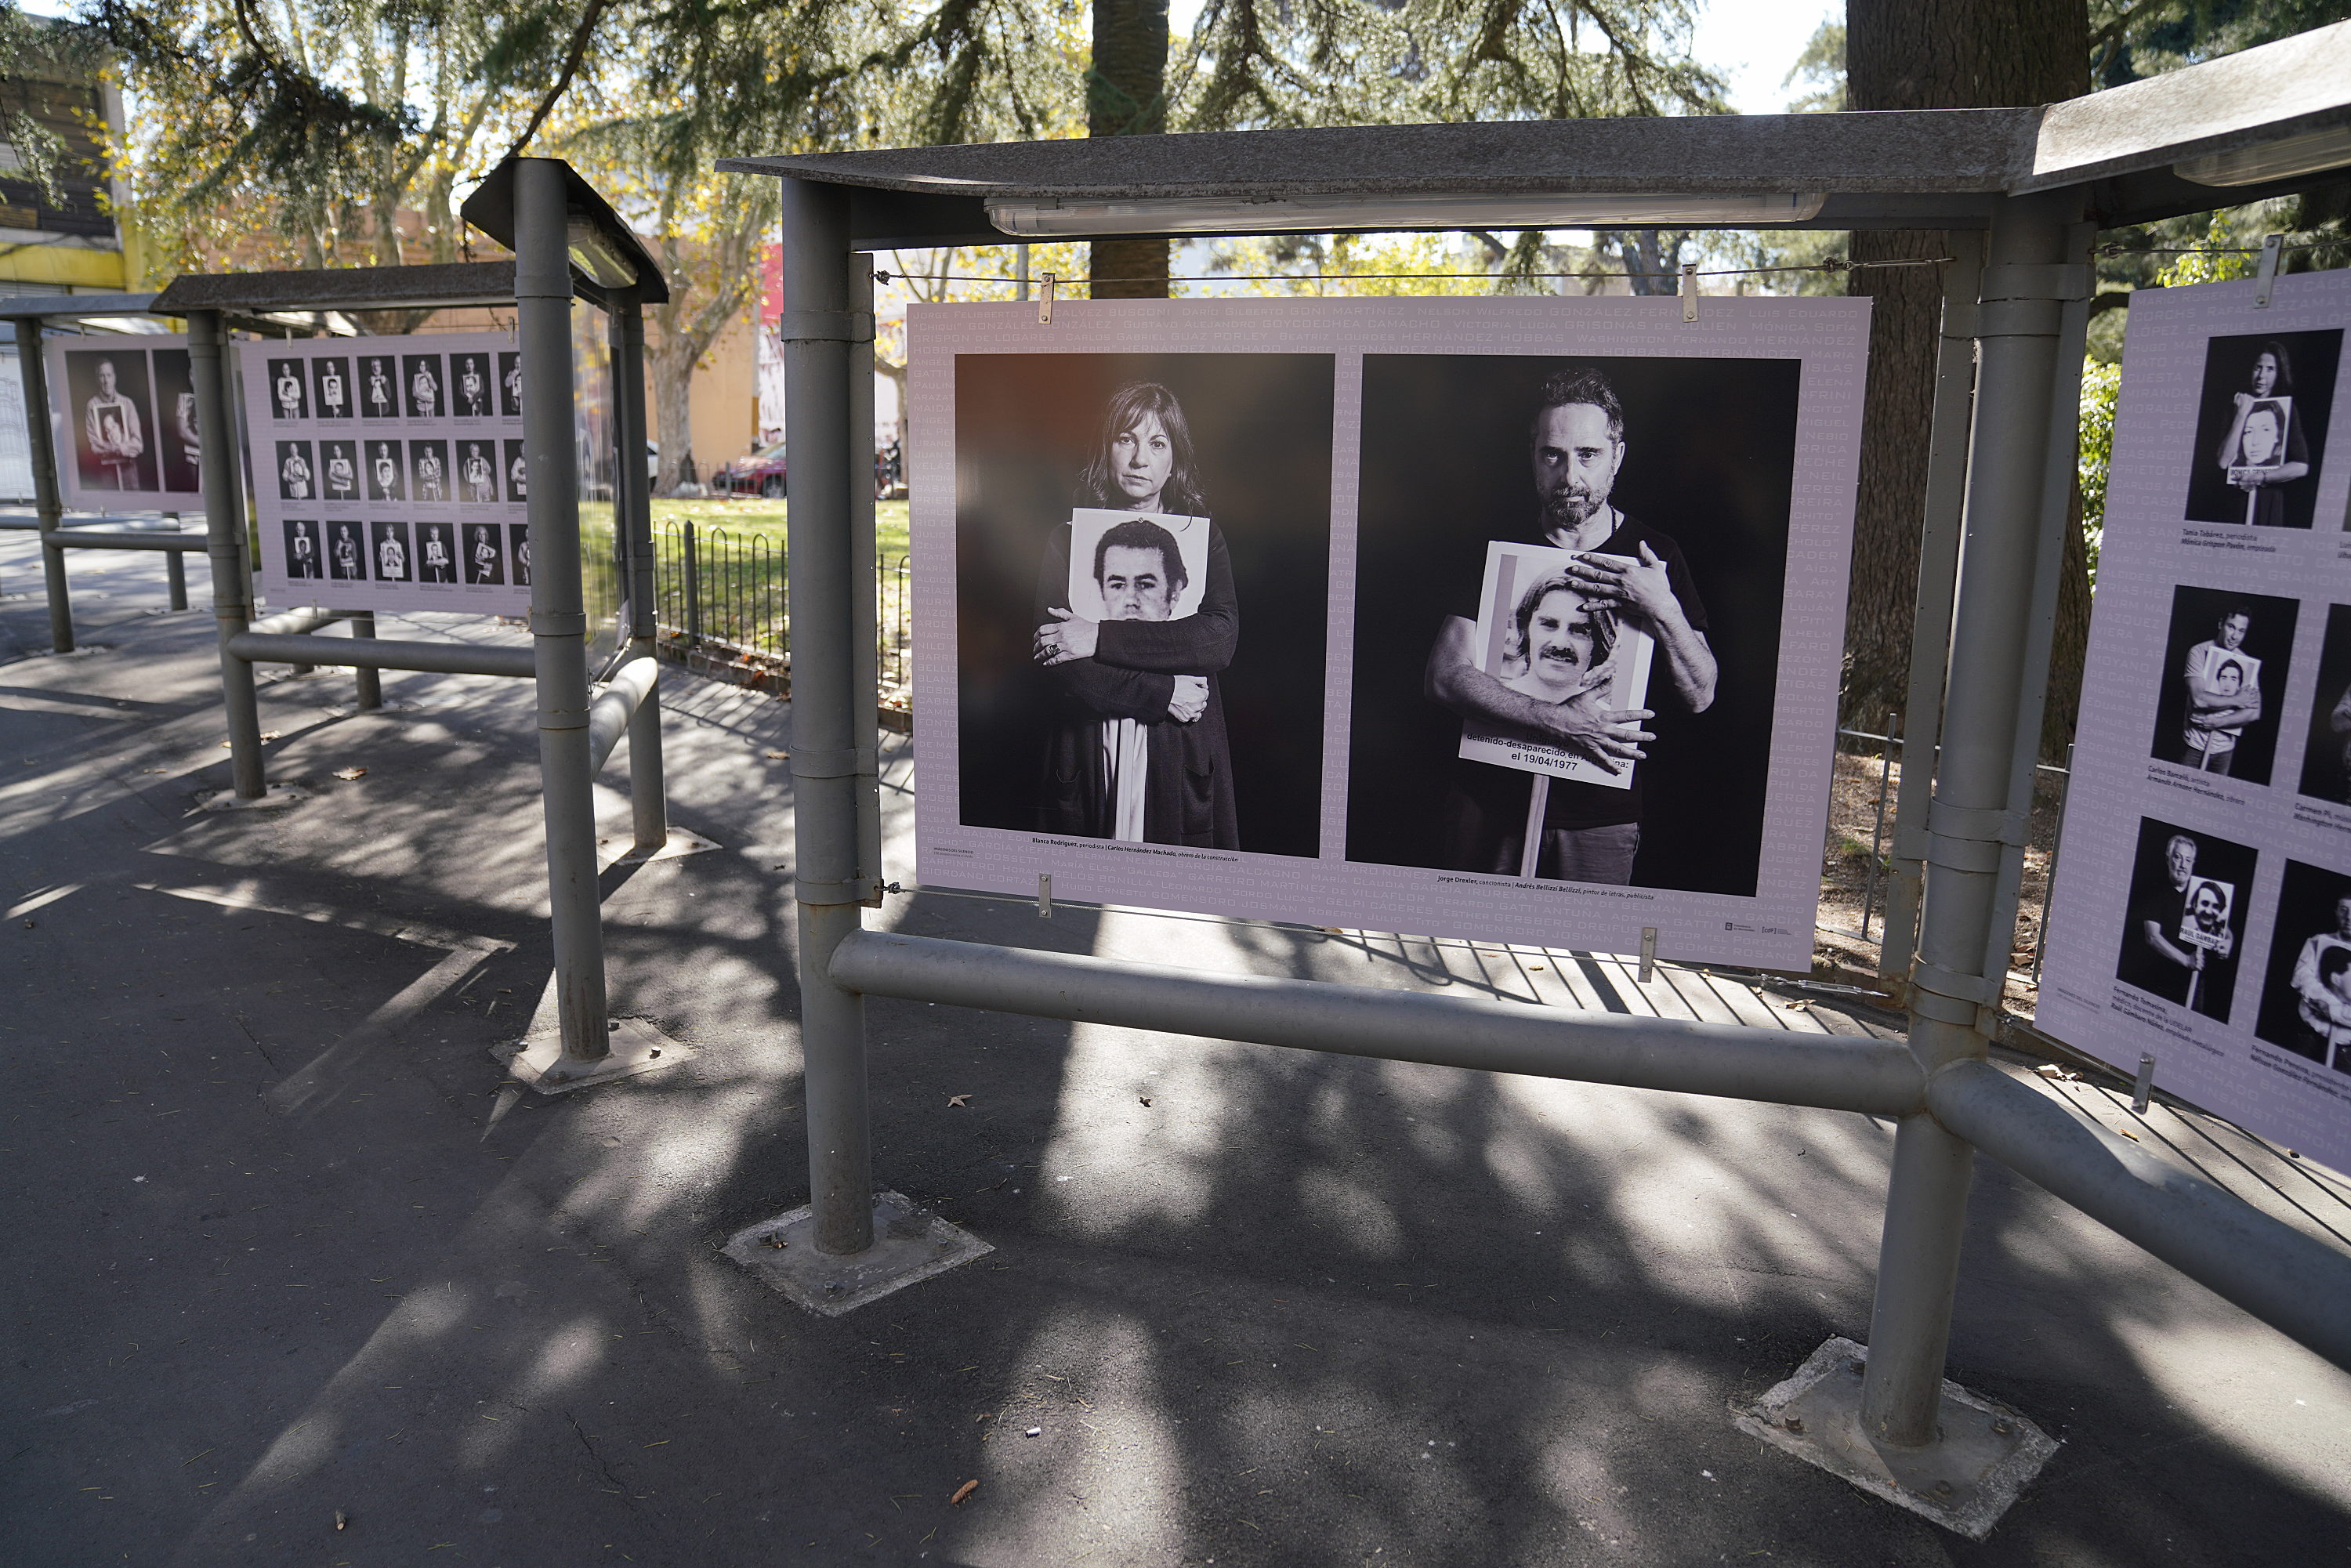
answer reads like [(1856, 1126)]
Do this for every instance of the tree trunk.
[(1936, 54), (1126, 95), (672, 376)]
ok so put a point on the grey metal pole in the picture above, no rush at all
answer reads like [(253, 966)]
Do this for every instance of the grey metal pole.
[(368, 678), (1939, 563), (865, 584), (634, 513), (176, 576), (819, 333), (2018, 325), (686, 542), (47, 506), (558, 620), (224, 546)]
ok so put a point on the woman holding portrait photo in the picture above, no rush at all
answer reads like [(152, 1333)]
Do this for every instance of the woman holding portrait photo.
[(1138, 750), (2265, 449)]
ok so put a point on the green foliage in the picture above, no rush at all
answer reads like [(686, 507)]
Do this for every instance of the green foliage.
[(1822, 68), (2100, 384), (34, 51)]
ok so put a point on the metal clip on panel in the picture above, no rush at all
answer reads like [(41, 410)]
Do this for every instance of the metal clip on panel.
[(1689, 291), (1044, 300), (2265, 272), (1044, 883)]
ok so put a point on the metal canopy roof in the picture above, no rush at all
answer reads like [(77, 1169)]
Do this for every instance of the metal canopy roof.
[(1918, 168), (433, 286), (490, 209), (73, 306)]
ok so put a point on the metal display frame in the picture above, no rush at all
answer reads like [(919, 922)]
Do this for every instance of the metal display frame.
[(2024, 193), (567, 243), (30, 314)]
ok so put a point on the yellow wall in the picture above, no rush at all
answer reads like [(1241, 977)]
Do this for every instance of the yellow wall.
[(63, 265), (726, 399)]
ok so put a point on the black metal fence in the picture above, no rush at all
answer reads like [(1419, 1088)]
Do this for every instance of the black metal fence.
[(722, 598)]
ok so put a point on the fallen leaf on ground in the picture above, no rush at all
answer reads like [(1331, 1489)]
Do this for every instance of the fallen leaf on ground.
[(343, 1519), (962, 1492), (780, 755), (1145, 1099), (351, 772), (955, 1100)]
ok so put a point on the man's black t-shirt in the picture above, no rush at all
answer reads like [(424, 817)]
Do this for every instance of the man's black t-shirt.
[(2143, 966), (1574, 803)]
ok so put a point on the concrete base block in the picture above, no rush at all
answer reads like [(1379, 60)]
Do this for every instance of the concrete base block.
[(909, 1244), (275, 795), (637, 1047), (1983, 1456), (622, 850)]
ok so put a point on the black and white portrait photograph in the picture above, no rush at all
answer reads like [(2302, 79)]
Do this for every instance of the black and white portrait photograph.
[(389, 552), (297, 472), (477, 472), (304, 557), (510, 384), (469, 379), (1543, 636), (175, 407), (2185, 922), (379, 388), (2225, 666), (289, 391), (331, 388), (515, 473), (346, 552), (420, 379), (1663, 485), (428, 471), (2306, 991), (2261, 428), (385, 480), (113, 411), (2326, 749), (339, 470), (436, 552), (1142, 569), (518, 549), (483, 561)]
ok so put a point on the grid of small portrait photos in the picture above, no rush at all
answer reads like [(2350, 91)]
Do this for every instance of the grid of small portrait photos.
[(2203, 906), (387, 472), (122, 423)]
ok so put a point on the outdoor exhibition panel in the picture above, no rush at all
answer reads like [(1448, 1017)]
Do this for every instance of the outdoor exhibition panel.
[(1369, 615), (2203, 913), (389, 472), (2020, 195), (122, 413)]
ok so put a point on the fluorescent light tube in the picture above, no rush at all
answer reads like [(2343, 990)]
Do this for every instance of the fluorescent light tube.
[(594, 254), (1318, 214), (2271, 160)]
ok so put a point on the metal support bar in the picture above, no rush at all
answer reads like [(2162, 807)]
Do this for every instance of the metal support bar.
[(648, 789), (617, 706), (289, 622), (1930, 632), (224, 546), (175, 580), (558, 621), (47, 506), (1877, 1077), (2297, 1285), (2001, 559), (381, 654), (823, 588), (369, 683)]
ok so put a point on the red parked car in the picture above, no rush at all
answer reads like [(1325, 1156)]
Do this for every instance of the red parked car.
[(759, 474)]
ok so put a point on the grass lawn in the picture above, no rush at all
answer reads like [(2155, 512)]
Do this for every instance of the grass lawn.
[(750, 516)]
